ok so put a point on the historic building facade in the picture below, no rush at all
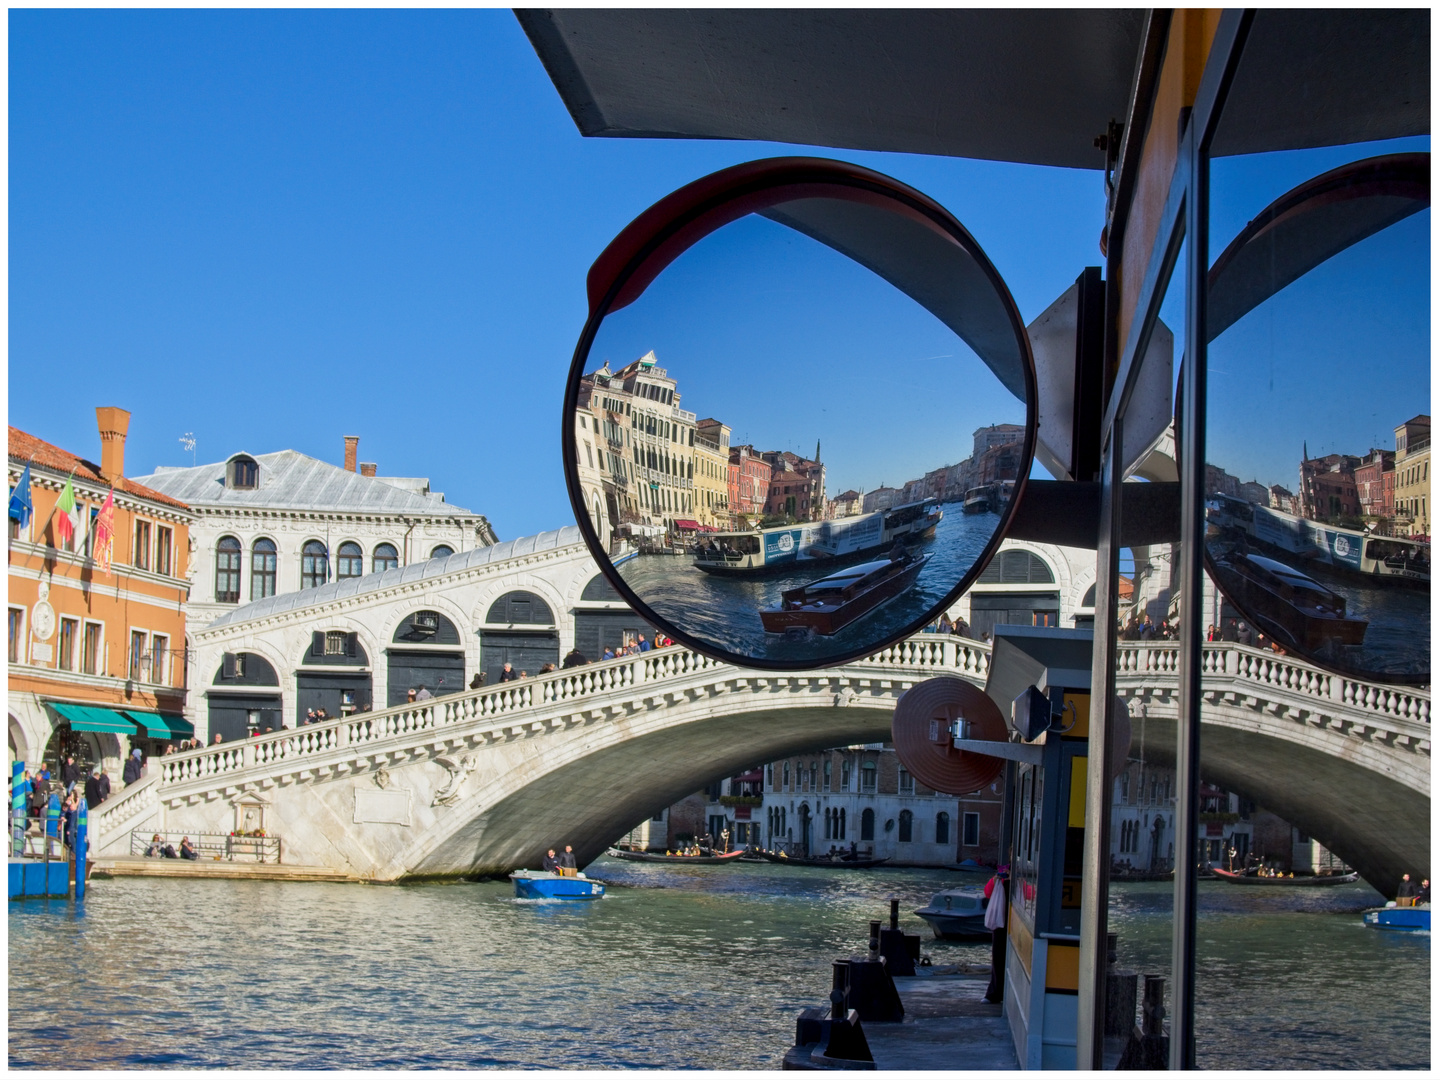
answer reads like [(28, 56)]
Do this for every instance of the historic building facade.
[(1412, 477), (276, 523), (96, 661)]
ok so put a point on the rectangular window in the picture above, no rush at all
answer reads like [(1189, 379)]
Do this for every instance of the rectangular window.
[(17, 629), (159, 658), (142, 545), (845, 775), (827, 774), (867, 776), (970, 835), (69, 631), (137, 655), (90, 648), (907, 783), (164, 542)]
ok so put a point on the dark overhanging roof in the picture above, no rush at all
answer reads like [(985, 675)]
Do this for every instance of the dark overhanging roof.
[(1028, 86), (1008, 85)]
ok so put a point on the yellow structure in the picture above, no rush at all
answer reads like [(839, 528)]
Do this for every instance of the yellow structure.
[(1412, 477), (712, 474)]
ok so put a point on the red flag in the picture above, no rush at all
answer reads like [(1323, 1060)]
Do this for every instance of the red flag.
[(65, 515), (104, 544)]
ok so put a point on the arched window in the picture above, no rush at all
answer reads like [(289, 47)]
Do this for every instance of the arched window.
[(242, 473), (386, 557), (867, 824), (907, 826), (1089, 600), (441, 551), (1017, 567), (842, 823), (314, 565), (228, 554), (786, 773), (351, 561), (262, 569), (942, 828)]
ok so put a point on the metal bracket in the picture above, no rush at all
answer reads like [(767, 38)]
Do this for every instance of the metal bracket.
[(1010, 751)]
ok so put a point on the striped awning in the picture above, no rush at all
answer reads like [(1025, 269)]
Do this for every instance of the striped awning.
[(92, 718)]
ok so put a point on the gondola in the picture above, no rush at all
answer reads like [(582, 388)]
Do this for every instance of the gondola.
[(1309, 881), (680, 860), (829, 864)]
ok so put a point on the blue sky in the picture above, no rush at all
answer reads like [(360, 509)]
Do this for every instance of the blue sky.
[(275, 229)]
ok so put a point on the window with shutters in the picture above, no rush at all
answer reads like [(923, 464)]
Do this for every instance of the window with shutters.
[(141, 559), (69, 632), (907, 783), (159, 658), (90, 648), (164, 545), (137, 655), (17, 630), (867, 776)]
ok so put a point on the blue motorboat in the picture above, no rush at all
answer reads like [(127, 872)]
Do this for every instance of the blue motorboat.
[(1391, 917), (544, 885)]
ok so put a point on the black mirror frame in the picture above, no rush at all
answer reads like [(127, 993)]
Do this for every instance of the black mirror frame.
[(661, 232)]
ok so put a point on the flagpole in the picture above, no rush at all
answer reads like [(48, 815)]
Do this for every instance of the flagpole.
[(69, 480)]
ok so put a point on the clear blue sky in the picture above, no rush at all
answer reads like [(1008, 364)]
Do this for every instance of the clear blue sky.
[(275, 229)]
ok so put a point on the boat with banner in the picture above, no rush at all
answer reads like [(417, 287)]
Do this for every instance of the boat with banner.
[(787, 548), (1393, 916), (545, 885), (711, 859), (829, 605), (957, 914), (1305, 881)]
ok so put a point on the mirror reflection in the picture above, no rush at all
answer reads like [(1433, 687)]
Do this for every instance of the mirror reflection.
[(1318, 430), (786, 456)]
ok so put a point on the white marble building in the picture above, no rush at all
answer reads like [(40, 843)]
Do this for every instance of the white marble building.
[(275, 523)]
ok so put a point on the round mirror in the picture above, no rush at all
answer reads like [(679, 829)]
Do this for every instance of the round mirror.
[(800, 414), (1317, 431)]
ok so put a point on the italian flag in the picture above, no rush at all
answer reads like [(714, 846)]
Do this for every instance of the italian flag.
[(67, 515)]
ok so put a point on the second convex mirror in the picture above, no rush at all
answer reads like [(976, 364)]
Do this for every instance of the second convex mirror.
[(799, 417)]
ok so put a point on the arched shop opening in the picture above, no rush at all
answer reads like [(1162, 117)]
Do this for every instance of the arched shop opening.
[(1024, 601), (334, 675), (425, 652), (602, 620), (520, 630), (244, 698)]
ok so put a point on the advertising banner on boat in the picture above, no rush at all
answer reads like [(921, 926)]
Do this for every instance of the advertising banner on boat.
[(1339, 546), (782, 545), (1323, 543), (851, 534)]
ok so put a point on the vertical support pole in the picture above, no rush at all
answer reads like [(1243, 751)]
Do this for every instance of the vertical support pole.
[(1192, 584), (82, 847), (1095, 885), (17, 808)]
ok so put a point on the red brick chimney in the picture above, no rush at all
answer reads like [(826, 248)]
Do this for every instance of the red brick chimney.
[(114, 424), (367, 468), (352, 448)]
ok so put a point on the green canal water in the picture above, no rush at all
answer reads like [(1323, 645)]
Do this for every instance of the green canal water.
[(693, 967)]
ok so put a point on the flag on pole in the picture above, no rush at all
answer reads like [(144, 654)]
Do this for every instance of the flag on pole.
[(104, 545), (21, 506), (66, 513)]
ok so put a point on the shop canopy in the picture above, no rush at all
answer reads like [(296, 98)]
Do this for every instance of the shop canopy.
[(91, 718), (687, 525), (162, 725)]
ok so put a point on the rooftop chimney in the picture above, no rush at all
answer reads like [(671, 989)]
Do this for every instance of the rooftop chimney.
[(367, 468), (352, 447), (114, 423)]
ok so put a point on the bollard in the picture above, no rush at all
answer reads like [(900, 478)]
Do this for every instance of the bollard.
[(1152, 1012), (874, 938), (82, 848), (1111, 944), (838, 981), (1149, 1046), (894, 913)]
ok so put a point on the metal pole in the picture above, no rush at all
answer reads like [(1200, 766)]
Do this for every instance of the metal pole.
[(1192, 578)]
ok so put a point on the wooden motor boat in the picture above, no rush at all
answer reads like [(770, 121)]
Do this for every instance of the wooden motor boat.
[(957, 914), (1296, 609), (686, 860), (829, 605), (545, 885), (1307, 881), (840, 862)]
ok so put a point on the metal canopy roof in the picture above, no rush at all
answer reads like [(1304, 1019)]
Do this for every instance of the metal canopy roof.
[(1008, 85), (1028, 86)]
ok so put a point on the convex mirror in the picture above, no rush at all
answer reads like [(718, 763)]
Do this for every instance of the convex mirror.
[(1317, 430), (800, 414)]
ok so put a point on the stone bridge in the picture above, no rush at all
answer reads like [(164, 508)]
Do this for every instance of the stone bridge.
[(482, 781)]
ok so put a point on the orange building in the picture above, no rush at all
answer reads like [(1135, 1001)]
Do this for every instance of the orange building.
[(96, 660)]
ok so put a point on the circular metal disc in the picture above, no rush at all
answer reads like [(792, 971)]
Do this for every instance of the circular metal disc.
[(921, 733)]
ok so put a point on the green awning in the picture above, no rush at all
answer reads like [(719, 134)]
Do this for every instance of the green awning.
[(162, 725), (90, 718)]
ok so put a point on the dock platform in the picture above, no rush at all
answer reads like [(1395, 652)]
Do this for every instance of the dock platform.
[(139, 866)]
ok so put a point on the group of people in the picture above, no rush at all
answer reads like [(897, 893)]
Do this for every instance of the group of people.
[(633, 646), (1139, 628), (159, 849), (959, 627), (564, 865), (1409, 894), (35, 791)]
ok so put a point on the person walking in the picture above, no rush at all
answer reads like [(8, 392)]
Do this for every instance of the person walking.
[(997, 913), (92, 788), (134, 767), (69, 773)]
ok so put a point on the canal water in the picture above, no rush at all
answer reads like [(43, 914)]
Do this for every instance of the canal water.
[(690, 967), (726, 611)]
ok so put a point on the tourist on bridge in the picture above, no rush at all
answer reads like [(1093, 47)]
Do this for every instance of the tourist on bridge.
[(507, 674), (423, 694), (644, 646), (69, 773), (1244, 635), (609, 653), (478, 681), (574, 658), (92, 788), (39, 793), (549, 863), (134, 767)]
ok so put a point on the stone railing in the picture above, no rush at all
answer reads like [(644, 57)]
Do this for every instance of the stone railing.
[(514, 707), (128, 804)]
